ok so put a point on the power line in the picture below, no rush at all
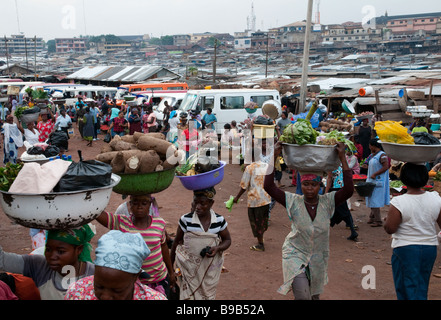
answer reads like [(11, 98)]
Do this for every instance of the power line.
[(18, 18)]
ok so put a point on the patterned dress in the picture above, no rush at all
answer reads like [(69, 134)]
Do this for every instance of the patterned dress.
[(45, 129), (307, 245), (83, 290)]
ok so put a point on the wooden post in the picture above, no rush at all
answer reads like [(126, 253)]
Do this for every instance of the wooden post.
[(329, 105), (431, 90), (377, 101), (304, 87)]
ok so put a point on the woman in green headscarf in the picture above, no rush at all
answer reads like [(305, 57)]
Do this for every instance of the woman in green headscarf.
[(66, 259)]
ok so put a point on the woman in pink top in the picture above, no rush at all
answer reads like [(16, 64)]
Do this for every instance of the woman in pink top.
[(149, 121)]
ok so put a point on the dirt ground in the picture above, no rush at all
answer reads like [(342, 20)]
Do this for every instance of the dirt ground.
[(257, 275)]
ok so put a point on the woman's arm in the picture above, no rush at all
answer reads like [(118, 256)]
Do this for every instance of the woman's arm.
[(20, 127), (103, 219), (382, 170), (224, 245), (348, 184), (239, 194), (328, 182), (11, 262), (269, 185), (393, 220), (177, 241), (166, 257)]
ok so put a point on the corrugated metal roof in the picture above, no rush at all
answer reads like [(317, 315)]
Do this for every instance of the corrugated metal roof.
[(118, 73), (88, 72), (142, 73), (108, 73)]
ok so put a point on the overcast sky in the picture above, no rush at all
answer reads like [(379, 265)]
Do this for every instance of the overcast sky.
[(71, 18)]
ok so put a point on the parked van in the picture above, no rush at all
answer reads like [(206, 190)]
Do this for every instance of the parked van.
[(89, 92), (227, 104), (157, 99), (154, 86)]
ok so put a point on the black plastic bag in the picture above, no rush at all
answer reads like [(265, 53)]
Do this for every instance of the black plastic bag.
[(107, 138), (51, 151), (32, 110), (264, 121), (424, 138), (35, 150), (59, 139), (82, 175)]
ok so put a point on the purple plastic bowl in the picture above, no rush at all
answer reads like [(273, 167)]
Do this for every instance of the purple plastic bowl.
[(203, 180)]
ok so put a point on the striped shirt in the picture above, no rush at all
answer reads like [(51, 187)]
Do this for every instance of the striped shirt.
[(190, 223), (154, 237)]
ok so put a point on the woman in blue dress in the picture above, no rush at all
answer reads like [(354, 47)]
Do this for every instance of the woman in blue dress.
[(378, 173)]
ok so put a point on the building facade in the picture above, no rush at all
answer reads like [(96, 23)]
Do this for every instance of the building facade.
[(19, 44), (65, 45), (412, 25)]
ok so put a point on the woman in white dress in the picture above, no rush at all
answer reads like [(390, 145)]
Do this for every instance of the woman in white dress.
[(31, 133)]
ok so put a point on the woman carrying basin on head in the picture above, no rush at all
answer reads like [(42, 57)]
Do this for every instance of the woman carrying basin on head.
[(305, 252)]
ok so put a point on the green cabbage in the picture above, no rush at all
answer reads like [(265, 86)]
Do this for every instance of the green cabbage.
[(300, 133)]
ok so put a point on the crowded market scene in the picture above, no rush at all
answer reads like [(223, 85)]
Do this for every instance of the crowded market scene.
[(306, 185)]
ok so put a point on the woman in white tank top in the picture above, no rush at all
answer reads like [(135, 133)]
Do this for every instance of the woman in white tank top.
[(412, 221)]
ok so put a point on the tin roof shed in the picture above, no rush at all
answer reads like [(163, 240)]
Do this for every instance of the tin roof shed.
[(122, 74)]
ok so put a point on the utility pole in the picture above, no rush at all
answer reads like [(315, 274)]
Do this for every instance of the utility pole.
[(7, 56), (35, 58), (304, 86), (214, 62), (26, 52), (267, 49)]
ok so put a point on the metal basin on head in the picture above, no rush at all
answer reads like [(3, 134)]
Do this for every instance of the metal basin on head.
[(58, 210)]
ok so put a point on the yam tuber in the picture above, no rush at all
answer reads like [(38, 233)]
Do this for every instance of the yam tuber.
[(118, 164), (106, 148), (119, 145), (158, 135), (132, 165), (128, 138), (149, 161), (108, 156), (147, 143)]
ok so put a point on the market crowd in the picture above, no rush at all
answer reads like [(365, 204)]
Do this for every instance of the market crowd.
[(137, 260)]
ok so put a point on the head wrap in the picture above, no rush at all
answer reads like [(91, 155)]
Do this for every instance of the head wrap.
[(172, 114), (77, 237), (310, 177), (121, 251), (209, 193)]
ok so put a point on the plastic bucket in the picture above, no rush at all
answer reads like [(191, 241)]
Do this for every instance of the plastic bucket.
[(365, 189), (263, 132), (366, 91), (272, 109), (203, 180), (401, 93)]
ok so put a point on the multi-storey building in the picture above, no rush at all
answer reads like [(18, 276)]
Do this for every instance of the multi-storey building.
[(350, 32), (412, 24), (64, 45), (293, 35), (19, 44)]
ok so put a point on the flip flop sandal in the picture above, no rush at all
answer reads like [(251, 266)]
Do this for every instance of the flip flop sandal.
[(258, 248)]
